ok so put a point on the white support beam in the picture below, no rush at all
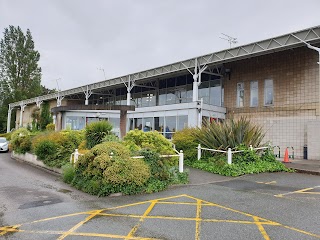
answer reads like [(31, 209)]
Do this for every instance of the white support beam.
[(38, 102), (87, 93), (59, 100)]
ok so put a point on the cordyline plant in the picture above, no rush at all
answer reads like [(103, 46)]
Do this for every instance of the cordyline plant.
[(230, 134)]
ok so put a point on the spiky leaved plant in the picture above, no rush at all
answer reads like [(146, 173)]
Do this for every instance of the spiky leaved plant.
[(230, 134)]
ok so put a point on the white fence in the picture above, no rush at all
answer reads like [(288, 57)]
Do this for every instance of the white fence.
[(229, 152), (75, 156)]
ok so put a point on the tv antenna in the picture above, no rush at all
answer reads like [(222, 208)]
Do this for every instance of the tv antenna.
[(230, 39)]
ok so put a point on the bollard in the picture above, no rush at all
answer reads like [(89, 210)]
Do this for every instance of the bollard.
[(251, 148), (229, 154), (199, 151), (181, 161), (76, 156)]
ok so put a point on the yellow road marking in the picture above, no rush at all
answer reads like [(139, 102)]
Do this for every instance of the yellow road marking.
[(135, 228), (302, 191), (6, 229), (83, 234), (261, 228), (272, 182), (258, 221), (198, 220), (78, 225)]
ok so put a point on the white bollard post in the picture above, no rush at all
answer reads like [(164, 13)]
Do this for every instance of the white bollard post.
[(181, 161), (229, 156), (199, 151), (251, 148), (76, 156)]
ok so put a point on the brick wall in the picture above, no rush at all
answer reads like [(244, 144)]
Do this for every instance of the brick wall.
[(295, 75)]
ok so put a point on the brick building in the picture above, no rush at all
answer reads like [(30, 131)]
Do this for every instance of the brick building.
[(275, 82)]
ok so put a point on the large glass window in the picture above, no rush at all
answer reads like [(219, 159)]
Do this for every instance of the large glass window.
[(75, 123), (215, 92), (115, 122), (204, 92), (138, 123), (162, 97), (268, 92), (240, 94), (171, 97), (182, 122), (171, 123), (254, 94), (148, 124), (159, 124)]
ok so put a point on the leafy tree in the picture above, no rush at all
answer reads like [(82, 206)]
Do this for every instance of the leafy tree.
[(20, 75), (45, 116)]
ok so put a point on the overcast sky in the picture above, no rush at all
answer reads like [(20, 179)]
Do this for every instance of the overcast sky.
[(76, 37)]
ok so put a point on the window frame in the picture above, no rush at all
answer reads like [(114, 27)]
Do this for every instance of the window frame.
[(252, 88), (265, 92), (238, 94)]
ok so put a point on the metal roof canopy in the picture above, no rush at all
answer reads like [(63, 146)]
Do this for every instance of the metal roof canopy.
[(270, 45)]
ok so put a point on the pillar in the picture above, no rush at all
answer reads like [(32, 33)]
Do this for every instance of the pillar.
[(123, 123), (9, 119), (58, 125), (22, 106), (128, 98)]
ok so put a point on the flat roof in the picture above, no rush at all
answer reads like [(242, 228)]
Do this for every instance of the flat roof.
[(279, 43)]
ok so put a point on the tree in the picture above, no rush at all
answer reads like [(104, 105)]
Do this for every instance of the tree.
[(20, 75), (45, 116)]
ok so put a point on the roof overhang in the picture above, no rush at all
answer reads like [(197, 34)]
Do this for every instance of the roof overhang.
[(280, 43)]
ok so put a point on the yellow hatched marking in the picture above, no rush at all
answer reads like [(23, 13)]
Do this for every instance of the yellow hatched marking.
[(302, 191), (198, 220), (78, 225), (261, 228), (258, 221), (135, 228)]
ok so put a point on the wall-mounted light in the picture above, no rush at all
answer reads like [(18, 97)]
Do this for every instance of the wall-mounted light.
[(227, 72)]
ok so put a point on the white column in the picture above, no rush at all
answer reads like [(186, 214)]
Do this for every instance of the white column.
[(195, 92), (128, 98), (22, 106), (9, 119)]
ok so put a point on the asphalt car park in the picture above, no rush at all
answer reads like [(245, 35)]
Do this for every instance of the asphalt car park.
[(36, 205)]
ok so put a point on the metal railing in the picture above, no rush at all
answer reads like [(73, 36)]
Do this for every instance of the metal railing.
[(229, 152), (75, 156)]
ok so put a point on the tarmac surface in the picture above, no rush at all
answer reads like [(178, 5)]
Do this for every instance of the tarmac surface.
[(35, 204)]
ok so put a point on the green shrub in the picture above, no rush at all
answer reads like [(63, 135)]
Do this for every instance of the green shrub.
[(136, 140), (65, 143), (51, 127), (45, 149), (99, 173), (186, 141), (96, 131), (247, 162), (246, 156), (230, 134), (21, 141), (164, 171), (68, 173), (111, 138), (111, 148), (157, 166)]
